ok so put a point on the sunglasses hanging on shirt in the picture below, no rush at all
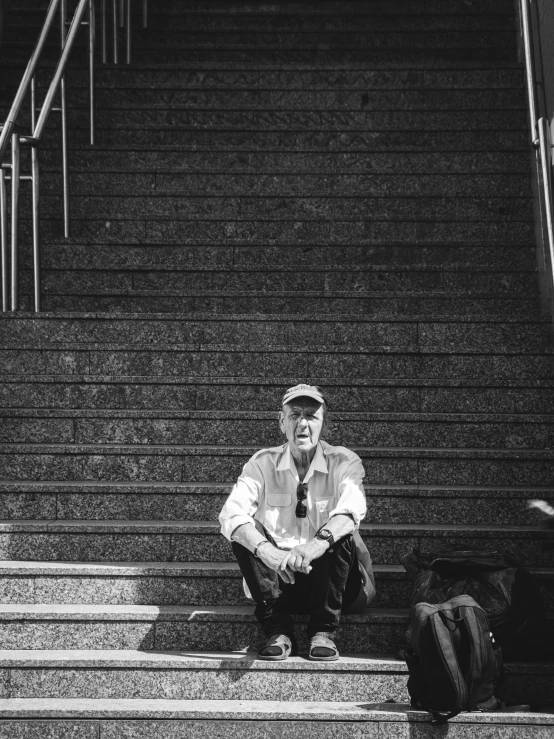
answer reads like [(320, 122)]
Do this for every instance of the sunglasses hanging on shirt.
[(301, 495)]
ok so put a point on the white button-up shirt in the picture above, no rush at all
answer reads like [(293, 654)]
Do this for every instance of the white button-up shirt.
[(266, 492)]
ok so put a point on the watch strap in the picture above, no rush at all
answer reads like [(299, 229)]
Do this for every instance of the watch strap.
[(325, 535)]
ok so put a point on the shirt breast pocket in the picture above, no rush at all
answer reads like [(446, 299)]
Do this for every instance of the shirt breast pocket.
[(279, 500), (323, 506)]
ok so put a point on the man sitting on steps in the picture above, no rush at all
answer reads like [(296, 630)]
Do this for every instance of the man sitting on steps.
[(292, 518)]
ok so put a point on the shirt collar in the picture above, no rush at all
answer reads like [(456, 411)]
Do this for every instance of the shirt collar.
[(319, 463)]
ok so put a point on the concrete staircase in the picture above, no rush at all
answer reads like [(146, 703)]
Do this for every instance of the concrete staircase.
[(331, 192)]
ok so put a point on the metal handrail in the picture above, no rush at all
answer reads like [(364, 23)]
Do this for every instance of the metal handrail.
[(540, 137), (9, 261), (28, 75), (529, 69)]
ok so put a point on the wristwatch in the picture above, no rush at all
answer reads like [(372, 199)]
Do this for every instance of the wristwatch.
[(325, 535)]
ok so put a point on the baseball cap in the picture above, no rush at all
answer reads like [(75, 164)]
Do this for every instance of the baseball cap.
[(303, 391)]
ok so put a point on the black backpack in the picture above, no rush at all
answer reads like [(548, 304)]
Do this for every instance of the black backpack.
[(453, 663)]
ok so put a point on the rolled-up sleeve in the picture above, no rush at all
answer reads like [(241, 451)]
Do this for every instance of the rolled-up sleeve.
[(352, 502), (242, 502)]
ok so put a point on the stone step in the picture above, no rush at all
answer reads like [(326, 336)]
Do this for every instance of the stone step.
[(260, 21), (94, 297), (177, 210), (499, 145), (186, 427), (376, 395), (324, 7), (176, 333), (176, 583), (289, 34), (325, 79), (384, 466), (200, 541), (256, 258), (143, 501), (419, 57), (323, 100), (267, 719), (239, 166), (100, 185), (231, 360), (124, 674), (183, 628), (416, 281), (285, 120), (340, 235)]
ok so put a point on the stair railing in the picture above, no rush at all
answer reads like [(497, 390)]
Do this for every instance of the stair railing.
[(541, 142), (11, 137)]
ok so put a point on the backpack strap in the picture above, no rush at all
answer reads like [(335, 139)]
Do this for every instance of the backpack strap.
[(443, 638)]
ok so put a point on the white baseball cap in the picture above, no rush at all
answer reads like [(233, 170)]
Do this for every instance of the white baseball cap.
[(303, 391)]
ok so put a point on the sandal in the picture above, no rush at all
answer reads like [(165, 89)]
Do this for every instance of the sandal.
[(276, 647), (323, 648)]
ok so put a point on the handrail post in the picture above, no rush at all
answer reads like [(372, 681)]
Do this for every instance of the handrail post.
[(36, 228), (115, 32), (15, 223), (128, 29), (33, 102), (546, 166), (63, 106), (145, 13), (92, 41), (529, 69), (104, 33), (4, 239)]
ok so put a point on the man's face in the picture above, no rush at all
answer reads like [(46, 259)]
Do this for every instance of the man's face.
[(302, 421)]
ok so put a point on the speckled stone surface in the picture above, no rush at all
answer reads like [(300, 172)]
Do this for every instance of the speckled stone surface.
[(140, 506), (201, 541), (27, 505), (58, 729), (201, 684), (67, 635), (149, 629)]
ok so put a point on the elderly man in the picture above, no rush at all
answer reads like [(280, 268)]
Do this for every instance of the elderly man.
[(292, 519)]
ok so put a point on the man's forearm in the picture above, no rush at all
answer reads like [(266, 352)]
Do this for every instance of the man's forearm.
[(248, 536), (340, 525)]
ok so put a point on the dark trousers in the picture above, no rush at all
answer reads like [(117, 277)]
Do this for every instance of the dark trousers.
[(334, 582)]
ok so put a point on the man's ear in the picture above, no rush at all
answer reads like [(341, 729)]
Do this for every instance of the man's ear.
[(282, 421)]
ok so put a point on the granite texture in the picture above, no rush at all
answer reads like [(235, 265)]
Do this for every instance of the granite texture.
[(76, 635), (511, 309), (263, 252), (329, 120), (57, 729), (201, 591), (102, 547), (226, 729), (225, 684), (316, 157), (52, 362), (137, 590), (36, 430), (187, 631), (525, 335), (202, 507), (27, 505), (320, 79), (225, 143)]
